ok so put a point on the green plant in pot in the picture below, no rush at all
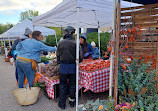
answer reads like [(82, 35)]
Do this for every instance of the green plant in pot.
[(139, 85), (135, 78)]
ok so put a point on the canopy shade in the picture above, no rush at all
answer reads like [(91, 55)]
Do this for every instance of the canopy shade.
[(19, 29), (144, 2), (93, 14)]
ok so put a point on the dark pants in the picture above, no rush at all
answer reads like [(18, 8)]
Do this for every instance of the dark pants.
[(63, 87), (16, 71)]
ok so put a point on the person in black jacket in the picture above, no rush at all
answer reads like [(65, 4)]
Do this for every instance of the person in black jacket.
[(66, 57)]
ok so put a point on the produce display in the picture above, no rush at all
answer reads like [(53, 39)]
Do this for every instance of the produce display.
[(44, 59), (93, 65), (50, 70), (51, 56)]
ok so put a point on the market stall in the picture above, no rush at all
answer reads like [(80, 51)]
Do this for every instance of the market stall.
[(94, 75), (49, 84), (49, 71)]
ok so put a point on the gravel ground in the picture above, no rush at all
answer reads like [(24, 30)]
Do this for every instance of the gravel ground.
[(9, 103)]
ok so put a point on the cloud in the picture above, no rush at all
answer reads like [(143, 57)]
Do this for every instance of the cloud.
[(39, 5)]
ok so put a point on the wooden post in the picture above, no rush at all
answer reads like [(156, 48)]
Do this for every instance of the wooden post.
[(117, 53), (157, 66)]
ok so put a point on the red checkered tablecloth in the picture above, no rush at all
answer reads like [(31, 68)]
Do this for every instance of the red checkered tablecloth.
[(49, 85), (97, 81)]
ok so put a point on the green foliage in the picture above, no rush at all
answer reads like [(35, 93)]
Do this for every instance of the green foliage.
[(104, 38), (39, 84), (136, 77), (94, 105), (5, 27), (51, 40), (59, 31), (28, 14), (44, 59)]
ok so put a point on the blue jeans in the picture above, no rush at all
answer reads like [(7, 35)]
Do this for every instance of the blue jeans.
[(24, 69)]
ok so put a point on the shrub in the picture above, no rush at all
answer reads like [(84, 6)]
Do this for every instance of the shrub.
[(104, 39)]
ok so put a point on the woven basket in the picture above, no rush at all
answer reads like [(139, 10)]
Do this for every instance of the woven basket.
[(26, 96), (7, 59)]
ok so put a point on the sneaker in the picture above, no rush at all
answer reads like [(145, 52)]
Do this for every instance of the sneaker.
[(72, 104), (61, 106)]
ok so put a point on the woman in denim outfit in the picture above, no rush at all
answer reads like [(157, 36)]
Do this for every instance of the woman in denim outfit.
[(30, 50)]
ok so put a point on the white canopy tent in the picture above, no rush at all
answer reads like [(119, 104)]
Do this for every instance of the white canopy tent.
[(80, 14), (93, 14), (19, 29)]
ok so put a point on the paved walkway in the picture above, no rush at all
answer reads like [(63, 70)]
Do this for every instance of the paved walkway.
[(7, 100), (9, 103)]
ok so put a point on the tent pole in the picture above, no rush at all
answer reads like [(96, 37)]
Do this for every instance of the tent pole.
[(117, 53), (9, 42), (56, 39), (112, 56), (99, 39), (4, 42), (77, 58)]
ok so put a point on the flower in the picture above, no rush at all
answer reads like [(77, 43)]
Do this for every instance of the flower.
[(109, 49), (123, 104), (100, 107), (124, 67), (117, 107), (134, 104), (125, 108), (128, 104)]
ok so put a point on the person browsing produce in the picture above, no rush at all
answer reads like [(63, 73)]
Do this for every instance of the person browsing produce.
[(66, 57), (28, 34), (96, 53), (86, 47), (28, 56)]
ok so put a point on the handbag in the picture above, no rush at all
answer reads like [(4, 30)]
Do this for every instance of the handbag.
[(27, 96)]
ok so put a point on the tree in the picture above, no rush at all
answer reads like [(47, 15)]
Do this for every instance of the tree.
[(5, 27), (28, 14)]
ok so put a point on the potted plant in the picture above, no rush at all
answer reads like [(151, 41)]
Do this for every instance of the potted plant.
[(139, 85)]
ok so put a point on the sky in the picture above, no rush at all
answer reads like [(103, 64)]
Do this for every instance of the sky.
[(10, 9)]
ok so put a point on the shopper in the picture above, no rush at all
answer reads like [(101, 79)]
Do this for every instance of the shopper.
[(29, 55), (66, 57), (86, 47), (28, 34), (96, 53)]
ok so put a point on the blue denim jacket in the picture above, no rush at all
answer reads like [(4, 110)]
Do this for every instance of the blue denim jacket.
[(31, 49)]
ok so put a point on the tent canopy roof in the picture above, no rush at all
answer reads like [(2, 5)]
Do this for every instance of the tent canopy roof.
[(19, 29), (144, 2), (92, 14)]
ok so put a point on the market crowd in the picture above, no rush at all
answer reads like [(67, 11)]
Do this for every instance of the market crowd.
[(27, 54)]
